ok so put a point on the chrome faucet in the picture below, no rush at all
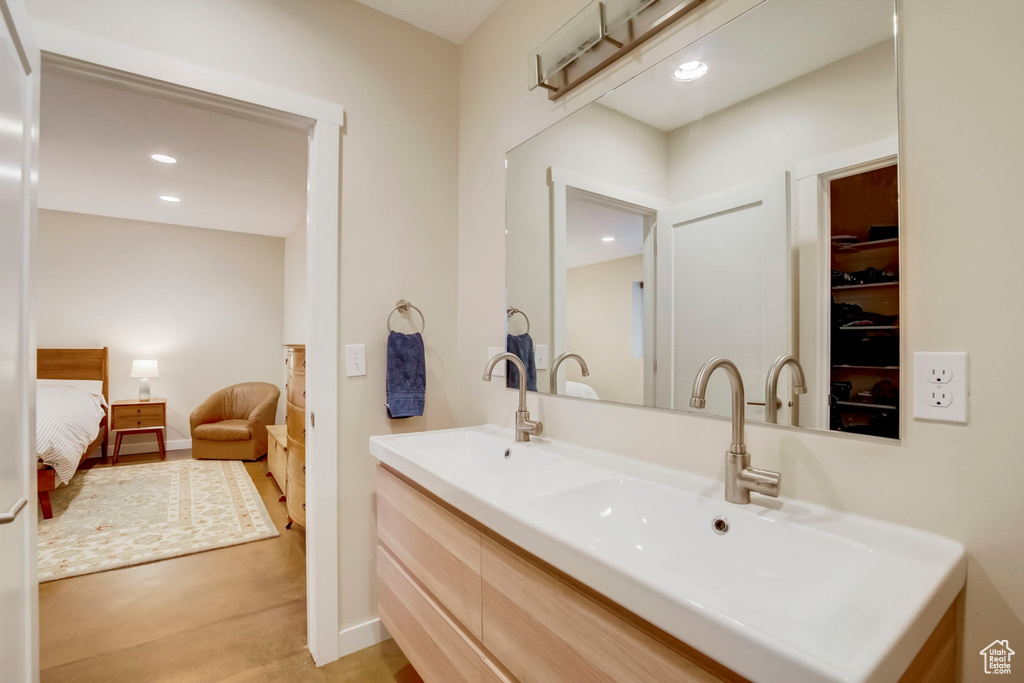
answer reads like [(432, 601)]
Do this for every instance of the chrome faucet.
[(771, 385), (740, 477), (524, 425), (558, 361)]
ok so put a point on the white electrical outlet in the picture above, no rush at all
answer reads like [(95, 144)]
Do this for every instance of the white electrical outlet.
[(499, 369), (940, 386), (355, 360), (939, 398), (540, 354)]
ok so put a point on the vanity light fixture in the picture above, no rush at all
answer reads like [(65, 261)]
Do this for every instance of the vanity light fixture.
[(163, 159), (607, 239), (690, 71), (169, 198)]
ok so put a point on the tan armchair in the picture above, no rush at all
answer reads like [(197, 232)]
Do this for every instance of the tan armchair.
[(232, 424)]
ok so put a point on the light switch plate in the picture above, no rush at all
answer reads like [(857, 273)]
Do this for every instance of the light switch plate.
[(944, 401), (540, 356), (355, 360), (499, 369)]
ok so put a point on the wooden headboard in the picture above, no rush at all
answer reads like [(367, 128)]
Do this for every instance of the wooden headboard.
[(89, 364)]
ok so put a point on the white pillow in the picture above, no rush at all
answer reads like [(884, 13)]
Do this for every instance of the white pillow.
[(89, 386)]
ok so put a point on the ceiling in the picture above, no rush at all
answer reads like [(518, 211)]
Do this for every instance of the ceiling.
[(587, 221), (451, 19), (764, 48), (232, 173)]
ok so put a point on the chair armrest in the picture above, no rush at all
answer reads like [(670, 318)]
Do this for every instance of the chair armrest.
[(262, 415)]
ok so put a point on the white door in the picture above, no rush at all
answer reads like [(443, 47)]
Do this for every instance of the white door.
[(723, 290), (19, 79)]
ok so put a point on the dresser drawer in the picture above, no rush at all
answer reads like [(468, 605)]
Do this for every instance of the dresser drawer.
[(296, 500), (297, 360), (295, 418), (296, 463), (440, 550), (543, 629), (435, 645), (133, 422), (297, 390)]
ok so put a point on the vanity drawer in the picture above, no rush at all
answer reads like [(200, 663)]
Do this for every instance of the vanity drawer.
[(297, 390), (438, 548), (541, 628), (435, 645)]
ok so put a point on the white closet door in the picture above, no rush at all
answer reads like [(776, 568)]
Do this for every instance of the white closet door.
[(723, 274), (18, 117)]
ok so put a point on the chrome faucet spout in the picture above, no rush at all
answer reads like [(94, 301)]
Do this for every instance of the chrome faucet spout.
[(524, 425), (558, 361), (771, 385), (700, 387), (740, 477)]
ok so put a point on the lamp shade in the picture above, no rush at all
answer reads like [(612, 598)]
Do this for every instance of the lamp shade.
[(145, 368)]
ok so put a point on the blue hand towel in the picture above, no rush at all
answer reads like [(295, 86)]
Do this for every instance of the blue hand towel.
[(406, 375), (522, 346)]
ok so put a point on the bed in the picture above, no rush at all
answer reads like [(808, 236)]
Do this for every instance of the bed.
[(67, 374)]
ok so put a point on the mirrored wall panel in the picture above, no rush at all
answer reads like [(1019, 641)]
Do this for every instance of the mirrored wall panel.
[(740, 199)]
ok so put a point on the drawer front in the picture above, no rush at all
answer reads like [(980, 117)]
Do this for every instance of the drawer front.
[(296, 450), (435, 645), (440, 550), (277, 463), (297, 463), (297, 391), (139, 411), (132, 422), (295, 418), (543, 629), (297, 360), (296, 500)]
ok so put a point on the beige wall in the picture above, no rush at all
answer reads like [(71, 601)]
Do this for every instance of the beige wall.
[(295, 286), (206, 304), (960, 173), (399, 86), (599, 326)]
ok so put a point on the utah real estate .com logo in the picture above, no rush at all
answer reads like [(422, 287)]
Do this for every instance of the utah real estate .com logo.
[(997, 657)]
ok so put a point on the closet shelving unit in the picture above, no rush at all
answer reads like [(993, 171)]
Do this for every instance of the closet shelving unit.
[(856, 203)]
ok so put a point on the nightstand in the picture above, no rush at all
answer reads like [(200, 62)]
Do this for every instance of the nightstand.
[(138, 417)]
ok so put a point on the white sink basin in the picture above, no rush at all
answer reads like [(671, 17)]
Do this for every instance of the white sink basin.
[(792, 592)]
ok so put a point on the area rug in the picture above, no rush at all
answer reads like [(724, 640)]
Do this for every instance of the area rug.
[(111, 517)]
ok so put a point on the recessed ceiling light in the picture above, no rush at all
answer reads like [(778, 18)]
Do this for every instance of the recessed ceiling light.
[(607, 239), (690, 71), (163, 159), (169, 198)]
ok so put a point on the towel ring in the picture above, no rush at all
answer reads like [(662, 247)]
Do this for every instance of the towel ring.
[(404, 307), (512, 311)]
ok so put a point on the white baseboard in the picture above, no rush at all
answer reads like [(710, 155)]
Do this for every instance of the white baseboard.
[(361, 636), (148, 447)]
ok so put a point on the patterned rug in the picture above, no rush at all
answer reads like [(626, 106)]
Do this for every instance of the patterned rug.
[(111, 517)]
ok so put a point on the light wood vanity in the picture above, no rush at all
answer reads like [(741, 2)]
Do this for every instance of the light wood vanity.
[(465, 604)]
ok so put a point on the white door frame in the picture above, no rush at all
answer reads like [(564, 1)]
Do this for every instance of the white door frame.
[(772, 192), (325, 120), (814, 235), (561, 181)]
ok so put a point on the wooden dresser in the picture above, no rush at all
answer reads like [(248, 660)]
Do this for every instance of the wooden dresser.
[(295, 420)]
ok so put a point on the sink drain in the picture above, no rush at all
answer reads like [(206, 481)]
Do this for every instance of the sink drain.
[(720, 525)]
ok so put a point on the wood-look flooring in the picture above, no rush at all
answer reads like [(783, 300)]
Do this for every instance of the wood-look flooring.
[(231, 614)]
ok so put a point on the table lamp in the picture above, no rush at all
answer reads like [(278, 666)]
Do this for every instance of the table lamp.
[(144, 369)]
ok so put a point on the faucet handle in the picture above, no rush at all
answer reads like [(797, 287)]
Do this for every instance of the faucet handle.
[(765, 482)]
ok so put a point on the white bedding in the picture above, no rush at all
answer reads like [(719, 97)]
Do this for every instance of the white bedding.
[(67, 421), (580, 390)]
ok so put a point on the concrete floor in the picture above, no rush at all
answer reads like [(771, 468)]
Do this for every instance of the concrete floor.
[(232, 614)]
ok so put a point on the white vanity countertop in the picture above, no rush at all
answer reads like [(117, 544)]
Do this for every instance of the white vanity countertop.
[(791, 592)]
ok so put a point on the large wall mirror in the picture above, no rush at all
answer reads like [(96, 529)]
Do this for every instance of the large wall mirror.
[(738, 199)]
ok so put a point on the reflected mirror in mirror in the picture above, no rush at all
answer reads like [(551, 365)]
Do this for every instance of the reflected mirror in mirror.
[(739, 199)]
